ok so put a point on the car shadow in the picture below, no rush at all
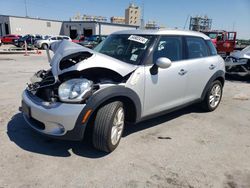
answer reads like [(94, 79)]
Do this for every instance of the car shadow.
[(237, 78), (132, 128), (24, 137)]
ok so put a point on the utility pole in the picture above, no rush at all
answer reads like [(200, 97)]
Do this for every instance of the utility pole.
[(26, 10), (186, 22), (233, 26), (142, 16)]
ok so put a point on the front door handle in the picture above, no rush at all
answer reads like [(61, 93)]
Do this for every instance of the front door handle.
[(211, 67), (182, 72)]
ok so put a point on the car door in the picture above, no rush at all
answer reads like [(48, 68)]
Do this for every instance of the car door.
[(200, 65), (167, 88)]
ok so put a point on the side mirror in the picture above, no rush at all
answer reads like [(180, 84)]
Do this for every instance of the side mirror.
[(163, 62)]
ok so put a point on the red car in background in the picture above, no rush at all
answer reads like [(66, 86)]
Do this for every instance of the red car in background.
[(9, 39), (224, 41), (78, 39)]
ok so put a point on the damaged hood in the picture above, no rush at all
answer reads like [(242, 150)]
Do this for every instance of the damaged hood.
[(243, 54), (64, 49)]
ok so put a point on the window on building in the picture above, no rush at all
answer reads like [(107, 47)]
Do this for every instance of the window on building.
[(48, 24)]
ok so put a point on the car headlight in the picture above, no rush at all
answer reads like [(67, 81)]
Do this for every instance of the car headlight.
[(75, 90)]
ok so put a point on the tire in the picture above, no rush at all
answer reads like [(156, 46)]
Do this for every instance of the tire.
[(108, 126), (44, 46), (213, 97), (22, 45)]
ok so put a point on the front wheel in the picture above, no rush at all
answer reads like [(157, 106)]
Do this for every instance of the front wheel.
[(108, 126), (213, 96)]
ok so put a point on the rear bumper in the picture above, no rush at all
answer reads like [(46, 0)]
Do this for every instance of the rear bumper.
[(57, 120)]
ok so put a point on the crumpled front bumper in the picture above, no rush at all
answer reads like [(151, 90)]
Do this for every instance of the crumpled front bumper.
[(59, 120)]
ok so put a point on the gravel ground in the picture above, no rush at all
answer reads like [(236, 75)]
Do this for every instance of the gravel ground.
[(187, 148)]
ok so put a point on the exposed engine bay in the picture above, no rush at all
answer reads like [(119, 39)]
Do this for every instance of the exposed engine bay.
[(76, 73)]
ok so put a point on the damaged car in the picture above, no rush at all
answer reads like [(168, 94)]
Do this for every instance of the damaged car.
[(129, 77)]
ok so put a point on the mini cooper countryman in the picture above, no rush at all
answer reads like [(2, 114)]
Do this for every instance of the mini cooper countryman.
[(129, 77)]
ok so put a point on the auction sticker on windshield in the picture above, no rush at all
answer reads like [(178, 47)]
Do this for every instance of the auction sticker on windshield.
[(138, 39)]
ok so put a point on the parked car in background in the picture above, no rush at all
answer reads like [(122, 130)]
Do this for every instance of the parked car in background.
[(9, 39), (92, 41), (78, 39), (224, 41), (45, 43), (30, 40), (148, 74)]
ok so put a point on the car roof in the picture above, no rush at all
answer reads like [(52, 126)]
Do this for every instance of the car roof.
[(164, 32), (59, 36)]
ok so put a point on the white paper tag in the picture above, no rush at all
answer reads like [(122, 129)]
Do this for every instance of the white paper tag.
[(134, 57), (139, 39)]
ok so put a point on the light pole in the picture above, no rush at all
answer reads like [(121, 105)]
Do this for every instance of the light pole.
[(26, 10)]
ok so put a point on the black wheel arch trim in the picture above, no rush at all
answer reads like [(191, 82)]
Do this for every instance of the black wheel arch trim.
[(216, 75), (98, 99), (111, 92)]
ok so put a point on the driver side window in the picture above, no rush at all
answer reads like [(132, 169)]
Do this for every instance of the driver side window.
[(169, 47)]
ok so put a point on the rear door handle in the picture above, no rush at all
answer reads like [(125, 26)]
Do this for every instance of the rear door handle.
[(211, 67), (182, 72)]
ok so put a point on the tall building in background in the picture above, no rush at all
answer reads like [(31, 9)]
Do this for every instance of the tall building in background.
[(200, 23), (133, 15)]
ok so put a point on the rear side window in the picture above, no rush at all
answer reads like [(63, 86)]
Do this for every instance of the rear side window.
[(169, 47), (66, 38), (211, 47), (196, 47)]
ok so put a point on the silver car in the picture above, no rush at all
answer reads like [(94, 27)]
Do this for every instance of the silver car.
[(129, 77), (45, 43)]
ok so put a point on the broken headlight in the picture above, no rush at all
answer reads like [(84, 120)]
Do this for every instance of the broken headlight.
[(75, 90)]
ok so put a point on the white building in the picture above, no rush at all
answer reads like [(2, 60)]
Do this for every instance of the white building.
[(88, 28), (25, 25)]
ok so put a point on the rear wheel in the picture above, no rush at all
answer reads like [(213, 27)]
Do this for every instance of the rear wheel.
[(213, 97), (108, 126)]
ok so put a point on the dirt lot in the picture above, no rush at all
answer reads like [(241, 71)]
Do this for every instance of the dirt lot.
[(187, 148)]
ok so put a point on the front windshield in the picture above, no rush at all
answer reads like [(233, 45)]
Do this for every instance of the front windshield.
[(212, 35), (128, 48), (91, 39), (25, 37)]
